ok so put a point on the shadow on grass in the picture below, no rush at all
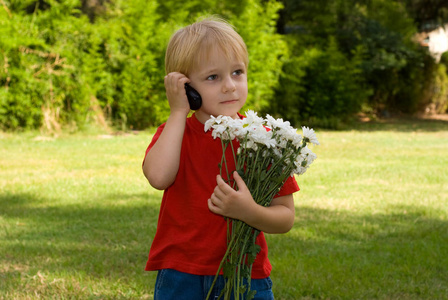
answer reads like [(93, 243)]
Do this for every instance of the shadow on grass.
[(328, 254), (403, 124), (104, 243), (344, 255)]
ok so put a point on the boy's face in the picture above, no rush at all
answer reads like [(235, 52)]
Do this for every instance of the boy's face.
[(222, 84)]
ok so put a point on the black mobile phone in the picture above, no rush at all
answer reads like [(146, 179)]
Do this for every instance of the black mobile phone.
[(193, 96)]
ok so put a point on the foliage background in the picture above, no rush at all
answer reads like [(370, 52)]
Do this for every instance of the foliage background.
[(69, 63)]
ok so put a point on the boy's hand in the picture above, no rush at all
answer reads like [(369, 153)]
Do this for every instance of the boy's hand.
[(240, 205), (230, 203), (175, 92)]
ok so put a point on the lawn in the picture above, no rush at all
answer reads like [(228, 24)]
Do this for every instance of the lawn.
[(77, 217)]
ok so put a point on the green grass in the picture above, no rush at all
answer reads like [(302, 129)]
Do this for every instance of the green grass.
[(77, 217)]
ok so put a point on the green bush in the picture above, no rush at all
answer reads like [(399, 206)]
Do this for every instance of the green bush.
[(20, 90), (133, 42), (378, 35), (41, 78), (320, 87), (59, 69), (267, 50)]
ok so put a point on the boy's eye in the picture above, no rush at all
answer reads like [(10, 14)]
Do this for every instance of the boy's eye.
[(238, 72), (212, 77)]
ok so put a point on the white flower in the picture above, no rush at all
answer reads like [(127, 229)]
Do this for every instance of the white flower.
[(259, 134), (310, 135), (299, 170), (252, 119), (308, 155), (218, 131), (224, 127), (277, 152), (209, 123), (235, 127), (271, 122), (303, 160), (270, 151), (283, 132), (274, 138)]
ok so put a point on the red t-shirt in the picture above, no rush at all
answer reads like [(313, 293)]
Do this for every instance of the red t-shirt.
[(190, 238)]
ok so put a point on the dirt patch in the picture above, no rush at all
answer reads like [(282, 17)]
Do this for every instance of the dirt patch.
[(440, 117)]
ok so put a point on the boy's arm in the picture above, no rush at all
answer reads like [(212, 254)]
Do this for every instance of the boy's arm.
[(277, 218), (162, 161)]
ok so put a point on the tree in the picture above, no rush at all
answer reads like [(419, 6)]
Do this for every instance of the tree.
[(68, 62), (427, 13), (373, 35)]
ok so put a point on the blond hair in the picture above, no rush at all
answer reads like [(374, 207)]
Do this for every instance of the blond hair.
[(195, 42)]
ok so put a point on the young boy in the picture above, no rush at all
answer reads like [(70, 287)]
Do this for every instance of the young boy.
[(183, 161)]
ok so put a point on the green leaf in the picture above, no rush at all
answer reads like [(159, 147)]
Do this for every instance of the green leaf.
[(243, 289), (228, 270), (251, 295)]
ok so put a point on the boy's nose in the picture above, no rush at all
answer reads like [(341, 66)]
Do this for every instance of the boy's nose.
[(228, 85)]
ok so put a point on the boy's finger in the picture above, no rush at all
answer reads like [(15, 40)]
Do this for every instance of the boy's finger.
[(218, 192), (225, 188), (212, 207), (239, 181)]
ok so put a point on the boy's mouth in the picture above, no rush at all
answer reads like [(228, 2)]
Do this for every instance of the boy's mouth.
[(229, 101)]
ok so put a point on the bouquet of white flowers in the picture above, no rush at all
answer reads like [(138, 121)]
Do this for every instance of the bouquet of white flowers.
[(270, 151)]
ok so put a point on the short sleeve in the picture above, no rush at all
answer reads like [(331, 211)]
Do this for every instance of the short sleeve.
[(289, 187), (154, 140)]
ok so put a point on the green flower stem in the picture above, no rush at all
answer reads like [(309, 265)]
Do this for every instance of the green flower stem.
[(264, 175), (230, 249), (223, 159)]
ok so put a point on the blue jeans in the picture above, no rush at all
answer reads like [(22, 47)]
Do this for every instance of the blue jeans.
[(172, 284)]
